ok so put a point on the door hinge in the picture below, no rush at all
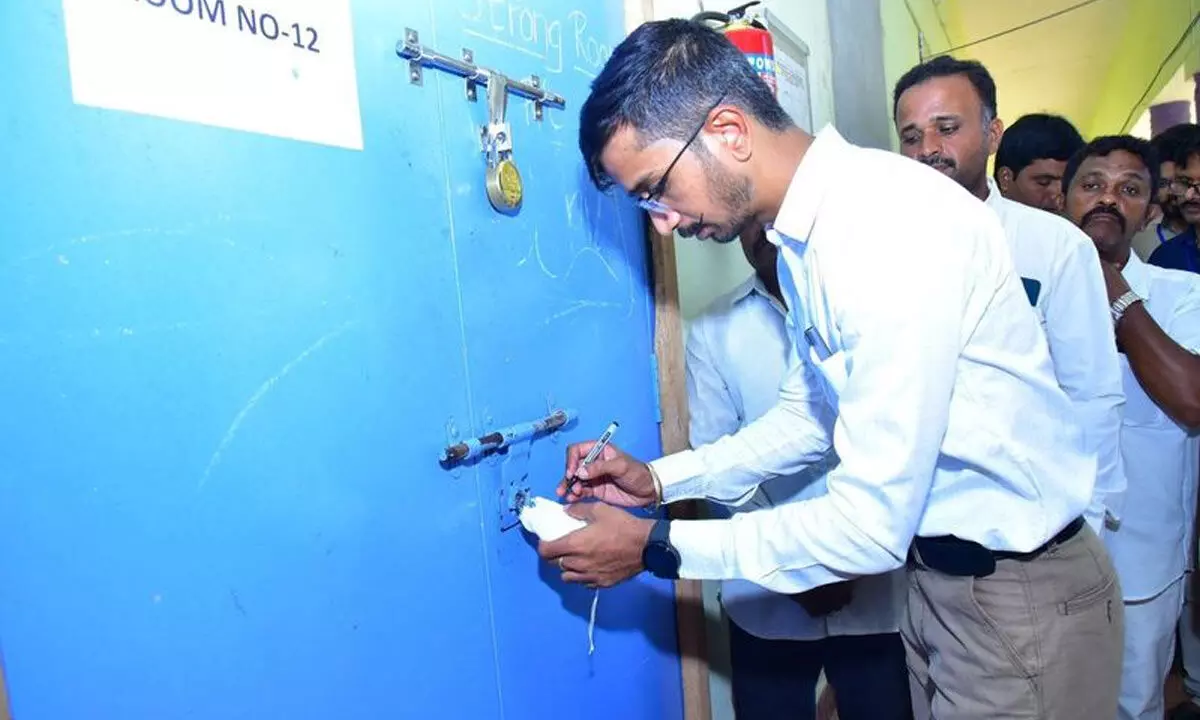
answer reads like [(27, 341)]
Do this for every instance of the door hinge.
[(655, 388)]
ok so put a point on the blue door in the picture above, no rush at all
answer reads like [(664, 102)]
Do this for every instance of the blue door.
[(229, 362)]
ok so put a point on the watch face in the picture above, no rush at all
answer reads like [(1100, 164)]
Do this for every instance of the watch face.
[(661, 560)]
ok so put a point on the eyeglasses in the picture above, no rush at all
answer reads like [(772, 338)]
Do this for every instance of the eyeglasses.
[(650, 202), (1180, 185)]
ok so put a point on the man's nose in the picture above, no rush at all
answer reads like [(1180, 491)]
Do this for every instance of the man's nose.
[(1110, 197), (931, 144), (665, 223), (1057, 201)]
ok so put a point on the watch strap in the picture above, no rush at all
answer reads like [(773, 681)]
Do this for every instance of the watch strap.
[(1121, 304)]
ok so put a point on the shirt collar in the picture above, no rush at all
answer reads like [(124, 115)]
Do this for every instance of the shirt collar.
[(1138, 277), (748, 287), (994, 199), (814, 176), (753, 285)]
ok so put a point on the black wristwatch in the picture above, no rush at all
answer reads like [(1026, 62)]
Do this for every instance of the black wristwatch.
[(659, 556)]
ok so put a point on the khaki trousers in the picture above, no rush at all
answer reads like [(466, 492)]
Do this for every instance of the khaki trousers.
[(1038, 638)]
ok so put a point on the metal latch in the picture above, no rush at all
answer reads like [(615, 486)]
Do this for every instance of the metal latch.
[(503, 181), (500, 439), (514, 492)]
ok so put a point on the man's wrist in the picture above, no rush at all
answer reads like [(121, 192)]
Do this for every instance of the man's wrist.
[(1122, 304), (656, 487), (681, 476)]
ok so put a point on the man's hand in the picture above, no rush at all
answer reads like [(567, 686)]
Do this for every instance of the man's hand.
[(614, 478), (606, 552), (1114, 282), (827, 599)]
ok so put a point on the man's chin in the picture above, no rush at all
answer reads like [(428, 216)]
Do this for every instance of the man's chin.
[(1107, 243)]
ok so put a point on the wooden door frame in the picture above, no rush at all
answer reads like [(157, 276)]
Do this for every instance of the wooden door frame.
[(5, 710), (690, 620)]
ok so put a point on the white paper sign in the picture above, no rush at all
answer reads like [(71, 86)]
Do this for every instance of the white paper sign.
[(792, 81), (278, 67), (791, 71)]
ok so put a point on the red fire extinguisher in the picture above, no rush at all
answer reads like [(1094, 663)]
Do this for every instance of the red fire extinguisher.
[(749, 35)]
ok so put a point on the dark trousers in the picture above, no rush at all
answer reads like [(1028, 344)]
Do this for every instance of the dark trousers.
[(777, 679)]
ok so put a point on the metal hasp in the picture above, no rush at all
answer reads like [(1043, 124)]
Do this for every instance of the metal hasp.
[(514, 492), (505, 190), (500, 439)]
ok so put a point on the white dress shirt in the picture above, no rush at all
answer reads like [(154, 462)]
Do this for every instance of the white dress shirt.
[(737, 354), (950, 420), (1060, 269), (1152, 546)]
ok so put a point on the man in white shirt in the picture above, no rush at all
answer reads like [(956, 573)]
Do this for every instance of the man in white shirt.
[(1031, 157), (1110, 186), (737, 354), (945, 113), (954, 439)]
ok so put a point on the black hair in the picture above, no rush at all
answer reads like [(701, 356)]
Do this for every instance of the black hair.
[(1178, 143), (947, 66), (1033, 137), (1109, 144), (660, 79)]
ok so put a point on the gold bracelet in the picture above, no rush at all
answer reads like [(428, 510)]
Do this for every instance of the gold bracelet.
[(658, 488)]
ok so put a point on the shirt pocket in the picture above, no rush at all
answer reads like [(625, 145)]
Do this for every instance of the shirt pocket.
[(832, 371)]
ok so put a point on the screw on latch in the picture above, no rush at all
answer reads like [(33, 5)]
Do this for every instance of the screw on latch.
[(537, 104), (412, 43), (469, 58)]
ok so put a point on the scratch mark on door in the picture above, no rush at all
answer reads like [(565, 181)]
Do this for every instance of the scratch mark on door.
[(259, 394)]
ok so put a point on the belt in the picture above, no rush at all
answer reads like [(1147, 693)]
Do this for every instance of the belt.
[(963, 558)]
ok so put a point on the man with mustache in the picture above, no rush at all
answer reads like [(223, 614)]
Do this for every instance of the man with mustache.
[(1182, 252), (960, 457), (737, 352), (1031, 157), (1110, 187), (1168, 222), (945, 113)]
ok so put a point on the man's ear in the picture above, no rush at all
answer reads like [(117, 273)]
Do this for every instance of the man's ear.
[(1005, 179), (995, 131), (729, 128)]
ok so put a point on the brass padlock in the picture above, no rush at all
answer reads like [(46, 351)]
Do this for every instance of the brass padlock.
[(505, 189)]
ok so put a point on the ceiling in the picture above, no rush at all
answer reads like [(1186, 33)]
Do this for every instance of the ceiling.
[(1092, 63)]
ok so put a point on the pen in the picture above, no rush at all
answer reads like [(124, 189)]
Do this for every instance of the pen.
[(594, 452)]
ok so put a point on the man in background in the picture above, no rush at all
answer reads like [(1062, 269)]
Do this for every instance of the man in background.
[(1166, 220), (1110, 189), (1182, 252), (945, 113), (737, 358), (1032, 155), (1179, 252)]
